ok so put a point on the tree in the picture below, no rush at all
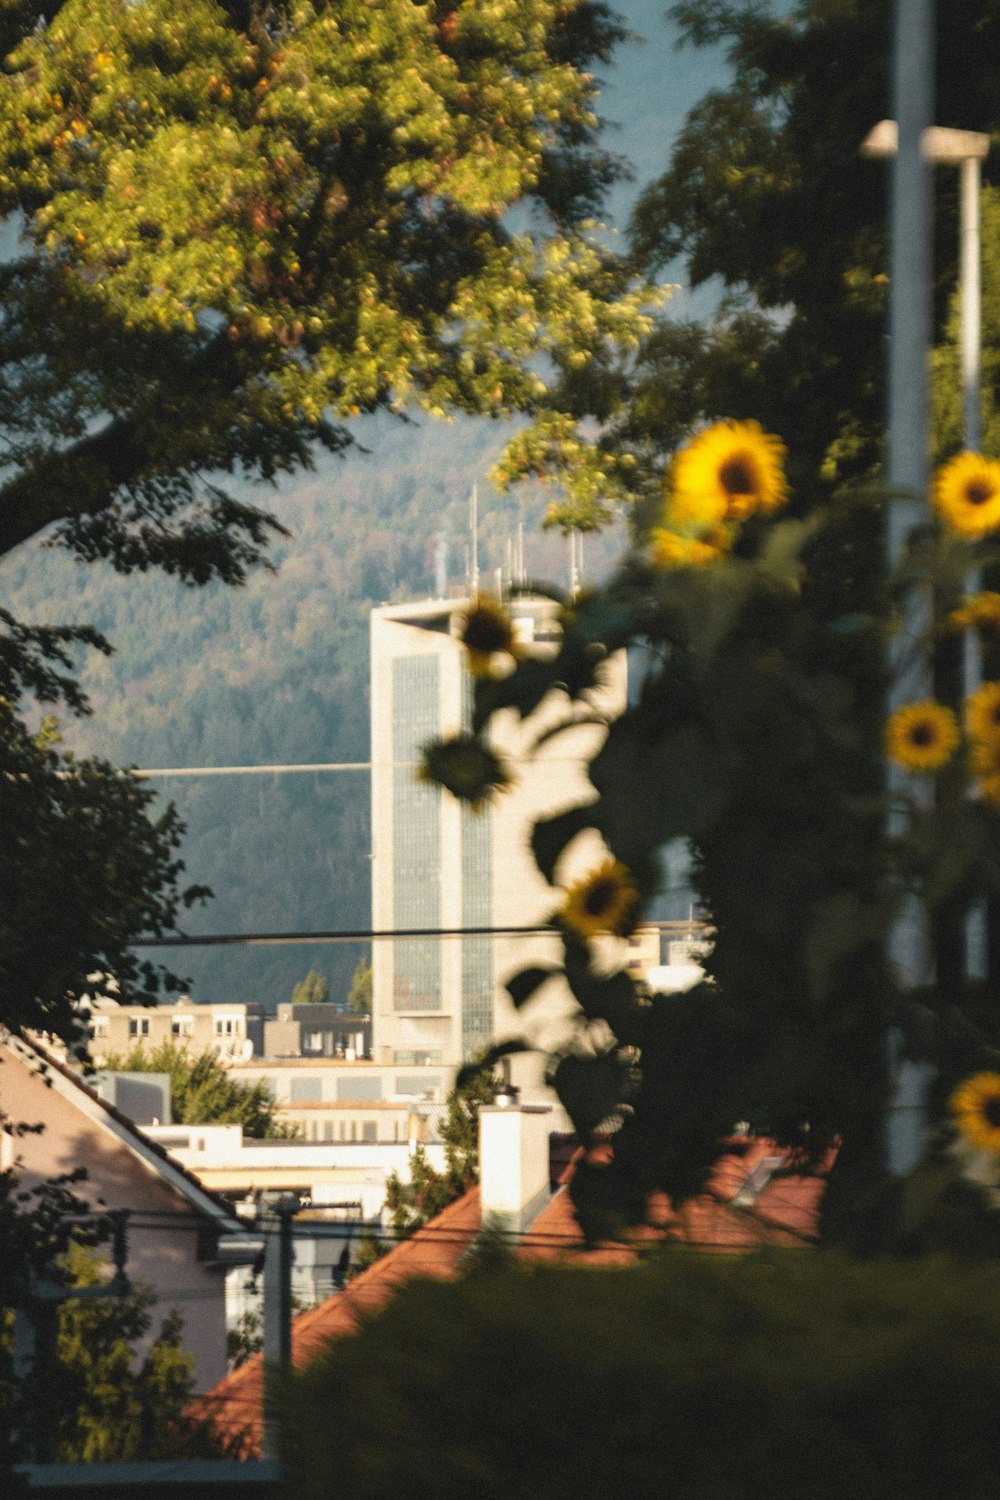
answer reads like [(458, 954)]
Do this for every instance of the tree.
[(427, 1192), (313, 990), (874, 1379), (86, 868), (202, 1092), (95, 1401), (359, 996), (115, 1411), (242, 231), (756, 731), (767, 196)]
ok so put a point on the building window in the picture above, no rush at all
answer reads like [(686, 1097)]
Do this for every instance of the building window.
[(354, 1130), (328, 1130), (99, 1026), (369, 1131), (312, 1041), (182, 1026), (408, 1059), (138, 1026), (229, 1025), (305, 1091)]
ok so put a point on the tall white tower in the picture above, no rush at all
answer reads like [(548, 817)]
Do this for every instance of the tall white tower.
[(438, 865)]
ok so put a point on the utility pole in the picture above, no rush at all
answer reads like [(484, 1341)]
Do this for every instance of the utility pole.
[(277, 1226), (908, 462)]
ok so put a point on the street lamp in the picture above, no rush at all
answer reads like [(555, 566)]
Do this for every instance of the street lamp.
[(909, 324), (964, 149)]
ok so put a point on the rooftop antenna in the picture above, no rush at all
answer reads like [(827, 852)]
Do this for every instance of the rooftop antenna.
[(440, 565), (474, 535), (575, 562)]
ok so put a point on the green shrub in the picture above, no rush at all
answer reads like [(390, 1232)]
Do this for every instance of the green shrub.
[(795, 1374)]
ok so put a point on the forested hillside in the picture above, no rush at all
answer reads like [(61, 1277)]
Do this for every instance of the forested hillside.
[(277, 673)]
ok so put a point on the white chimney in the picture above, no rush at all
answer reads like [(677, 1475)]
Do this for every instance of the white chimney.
[(514, 1163)]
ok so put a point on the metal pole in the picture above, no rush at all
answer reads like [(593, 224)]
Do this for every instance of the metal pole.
[(907, 472), (277, 1313), (971, 301)]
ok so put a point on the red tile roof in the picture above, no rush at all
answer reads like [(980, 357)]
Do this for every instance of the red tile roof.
[(784, 1212), (233, 1407)]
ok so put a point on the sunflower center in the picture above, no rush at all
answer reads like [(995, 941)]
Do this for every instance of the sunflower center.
[(600, 897), (737, 476), (991, 1110), (922, 735), (486, 632), (977, 492)]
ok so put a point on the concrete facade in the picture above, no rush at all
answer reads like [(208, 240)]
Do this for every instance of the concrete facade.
[(232, 1031), (320, 1030), (436, 864)]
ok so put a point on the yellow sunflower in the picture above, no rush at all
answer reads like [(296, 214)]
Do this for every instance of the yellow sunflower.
[(487, 631), (975, 1105), (728, 472), (921, 736), (981, 613), (466, 767), (982, 714), (668, 550), (966, 494), (986, 768), (606, 900)]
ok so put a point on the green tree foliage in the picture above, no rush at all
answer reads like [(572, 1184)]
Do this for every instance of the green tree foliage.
[(313, 990), (786, 1374), (241, 231), (767, 195), (86, 867), (113, 1409), (948, 402), (359, 996), (94, 1400), (412, 1203), (202, 1092)]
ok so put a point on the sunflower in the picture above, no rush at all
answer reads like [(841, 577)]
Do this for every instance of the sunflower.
[(606, 900), (986, 768), (668, 550), (466, 767), (975, 1105), (981, 613), (966, 494), (982, 714), (921, 736), (487, 631), (728, 472)]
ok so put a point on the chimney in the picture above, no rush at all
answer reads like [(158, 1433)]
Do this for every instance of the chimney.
[(514, 1163)]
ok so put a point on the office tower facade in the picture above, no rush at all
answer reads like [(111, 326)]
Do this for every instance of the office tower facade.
[(437, 865)]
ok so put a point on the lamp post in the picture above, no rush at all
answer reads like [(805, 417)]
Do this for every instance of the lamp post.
[(965, 149), (913, 150)]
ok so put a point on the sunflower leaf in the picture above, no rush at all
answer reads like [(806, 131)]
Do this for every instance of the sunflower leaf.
[(520, 987), (681, 780), (550, 836), (613, 998), (492, 1055), (591, 1088)]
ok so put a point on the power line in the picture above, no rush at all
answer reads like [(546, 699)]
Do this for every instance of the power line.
[(345, 765), (369, 935)]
